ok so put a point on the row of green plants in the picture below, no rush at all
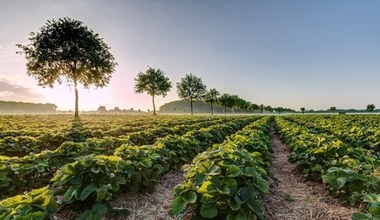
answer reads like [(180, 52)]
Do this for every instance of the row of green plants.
[(356, 130), (36, 125), (23, 173), (351, 173), (24, 145), (90, 181), (228, 180)]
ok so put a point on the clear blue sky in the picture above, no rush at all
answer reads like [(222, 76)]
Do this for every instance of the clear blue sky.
[(290, 53)]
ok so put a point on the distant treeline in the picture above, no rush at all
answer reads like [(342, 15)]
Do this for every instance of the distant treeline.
[(25, 107), (182, 107), (341, 111)]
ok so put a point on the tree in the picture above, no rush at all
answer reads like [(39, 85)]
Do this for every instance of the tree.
[(262, 107), (268, 108), (154, 82), (102, 109), (226, 100), (190, 89), (238, 103), (67, 49), (333, 109), (370, 107), (254, 107), (212, 97), (302, 109)]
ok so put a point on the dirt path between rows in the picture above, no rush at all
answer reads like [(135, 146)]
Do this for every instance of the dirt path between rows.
[(292, 198)]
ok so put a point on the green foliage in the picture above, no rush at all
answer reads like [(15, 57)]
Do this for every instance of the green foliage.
[(350, 168), (67, 49), (37, 205), (191, 88), (154, 82), (89, 181), (370, 107), (302, 109), (332, 109), (90, 178), (97, 212), (226, 100), (226, 181), (212, 97)]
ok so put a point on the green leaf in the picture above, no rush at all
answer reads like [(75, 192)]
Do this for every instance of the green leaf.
[(231, 184), (68, 169), (224, 190), (361, 216), (101, 193), (190, 197), (250, 171), (134, 185), (208, 211), (255, 206), (178, 206), (234, 205), (87, 191), (146, 163), (261, 183), (38, 215), (245, 193), (199, 179), (215, 170), (333, 181), (100, 208), (206, 187), (233, 171), (70, 192), (372, 198), (374, 209), (95, 169)]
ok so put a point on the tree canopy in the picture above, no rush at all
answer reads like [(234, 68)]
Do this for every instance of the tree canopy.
[(154, 82), (302, 109), (191, 88), (212, 97), (333, 109), (226, 100), (66, 49), (370, 107)]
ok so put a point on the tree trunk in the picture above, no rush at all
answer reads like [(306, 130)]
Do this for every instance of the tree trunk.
[(225, 110), (212, 109), (154, 106), (191, 106), (76, 100)]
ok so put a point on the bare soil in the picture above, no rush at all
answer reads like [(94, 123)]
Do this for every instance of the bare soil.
[(153, 206), (291, 197)]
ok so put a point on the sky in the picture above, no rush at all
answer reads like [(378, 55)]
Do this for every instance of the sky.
[(289, 53)]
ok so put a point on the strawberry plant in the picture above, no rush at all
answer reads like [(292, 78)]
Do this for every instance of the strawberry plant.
[(226, 181), (37, 205)]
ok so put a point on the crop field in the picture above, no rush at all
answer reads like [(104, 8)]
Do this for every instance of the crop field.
[(342, 151), (48, 163), (54, 163)]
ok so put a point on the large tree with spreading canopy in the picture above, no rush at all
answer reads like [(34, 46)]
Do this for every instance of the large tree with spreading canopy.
[(67, 50), (191, 88), (154, 82)]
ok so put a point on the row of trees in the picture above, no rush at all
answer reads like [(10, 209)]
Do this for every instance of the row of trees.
[(67, 50), (25, 107), (369, 108), (191, 89)]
